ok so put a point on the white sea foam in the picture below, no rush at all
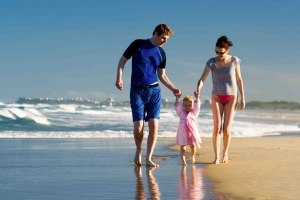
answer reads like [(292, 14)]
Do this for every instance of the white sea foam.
[(30, 113), (79, 121)]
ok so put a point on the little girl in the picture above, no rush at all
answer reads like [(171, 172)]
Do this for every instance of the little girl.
[(188, 132)]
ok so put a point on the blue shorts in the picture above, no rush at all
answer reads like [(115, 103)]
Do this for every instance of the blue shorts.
[(145, 103)]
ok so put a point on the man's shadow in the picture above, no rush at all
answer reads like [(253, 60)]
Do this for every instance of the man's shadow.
[(153, 187)]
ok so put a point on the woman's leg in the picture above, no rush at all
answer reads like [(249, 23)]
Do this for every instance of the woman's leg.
[(229, 111), (182, 154), (217, 112)]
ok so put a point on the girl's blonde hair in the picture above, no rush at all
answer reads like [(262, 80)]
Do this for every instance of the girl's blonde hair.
[(188, 98)]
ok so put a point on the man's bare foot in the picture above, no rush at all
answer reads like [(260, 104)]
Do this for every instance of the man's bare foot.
[(151, 164), (216, 161), (183, 164), (138, 158), (193, 159), (225, 159)]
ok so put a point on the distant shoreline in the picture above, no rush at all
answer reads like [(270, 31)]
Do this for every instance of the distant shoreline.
[(252, 105)]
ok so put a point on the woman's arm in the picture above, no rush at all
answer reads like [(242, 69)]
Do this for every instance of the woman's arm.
[(240, 85), (201, 81)]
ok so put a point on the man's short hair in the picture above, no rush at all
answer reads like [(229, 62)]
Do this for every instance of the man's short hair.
[(162, 29)]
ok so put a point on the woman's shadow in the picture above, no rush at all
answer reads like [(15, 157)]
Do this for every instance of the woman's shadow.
[(153, 187)]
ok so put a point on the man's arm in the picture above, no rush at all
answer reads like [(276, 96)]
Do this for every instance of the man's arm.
[(161, 72), (121, 65)]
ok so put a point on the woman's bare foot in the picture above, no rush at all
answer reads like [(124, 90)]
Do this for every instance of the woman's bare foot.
[(193, 159), (151, 164), (138, 158), (216, 161), (225, 159)]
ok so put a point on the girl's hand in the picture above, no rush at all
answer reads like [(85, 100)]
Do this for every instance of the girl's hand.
[(197, 94)]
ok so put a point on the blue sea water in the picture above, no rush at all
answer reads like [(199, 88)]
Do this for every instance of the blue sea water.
[(80, 121), (41, 157)]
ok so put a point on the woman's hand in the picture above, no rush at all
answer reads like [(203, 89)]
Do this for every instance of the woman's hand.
[(197, 94), (243, 103)]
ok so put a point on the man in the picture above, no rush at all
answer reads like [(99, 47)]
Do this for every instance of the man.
[(148, 65)]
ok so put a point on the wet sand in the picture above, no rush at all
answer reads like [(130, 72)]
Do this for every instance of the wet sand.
[(259, 168), (94, 169)]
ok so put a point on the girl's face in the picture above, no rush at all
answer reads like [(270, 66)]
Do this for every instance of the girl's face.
[(221, 52), (187, 105)]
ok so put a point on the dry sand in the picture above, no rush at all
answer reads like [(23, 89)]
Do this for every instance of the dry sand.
[(259, 168)]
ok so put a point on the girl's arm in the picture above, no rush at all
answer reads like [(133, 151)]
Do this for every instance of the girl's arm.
[(240, 85), (197, 103), (177, 106), (176, 99), (201, 80)]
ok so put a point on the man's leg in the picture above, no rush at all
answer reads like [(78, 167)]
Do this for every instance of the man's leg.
[(138, 132), (153, 126)]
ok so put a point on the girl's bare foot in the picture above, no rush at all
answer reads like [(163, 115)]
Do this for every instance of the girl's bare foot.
[(151, 164), (193, 159), (138, 158)]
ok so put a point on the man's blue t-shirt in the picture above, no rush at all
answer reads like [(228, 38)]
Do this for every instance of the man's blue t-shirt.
[(146, 58)]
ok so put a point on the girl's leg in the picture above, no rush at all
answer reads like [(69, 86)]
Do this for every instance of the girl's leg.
[(193, 151), (229, 111), (217, 112), (182, 154)]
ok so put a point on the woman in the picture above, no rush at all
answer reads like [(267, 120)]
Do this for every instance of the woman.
[(226, 77)]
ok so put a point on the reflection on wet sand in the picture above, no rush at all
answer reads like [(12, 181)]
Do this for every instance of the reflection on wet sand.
[(191, 187), (152, 184)]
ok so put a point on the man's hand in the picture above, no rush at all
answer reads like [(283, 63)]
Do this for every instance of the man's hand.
[(119, 84), (176, 92)]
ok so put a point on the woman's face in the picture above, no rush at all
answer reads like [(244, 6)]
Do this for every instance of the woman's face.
[(221, 52)]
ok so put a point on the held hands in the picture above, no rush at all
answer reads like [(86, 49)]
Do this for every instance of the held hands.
[(197, 94), (176, 92), (119, 84)]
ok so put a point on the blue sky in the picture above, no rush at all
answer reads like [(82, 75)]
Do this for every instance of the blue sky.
[(71, 48)]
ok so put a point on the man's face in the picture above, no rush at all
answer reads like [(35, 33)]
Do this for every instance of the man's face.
[(160, 40)]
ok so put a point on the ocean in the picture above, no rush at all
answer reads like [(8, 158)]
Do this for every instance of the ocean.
[(80, 121), (86, 152)]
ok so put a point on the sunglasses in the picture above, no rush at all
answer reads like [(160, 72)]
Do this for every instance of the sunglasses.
[(221, 53)]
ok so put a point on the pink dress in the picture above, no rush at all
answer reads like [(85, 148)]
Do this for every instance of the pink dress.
[(188, 126)]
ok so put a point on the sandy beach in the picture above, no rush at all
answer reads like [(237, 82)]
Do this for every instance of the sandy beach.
[(259, 168)]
